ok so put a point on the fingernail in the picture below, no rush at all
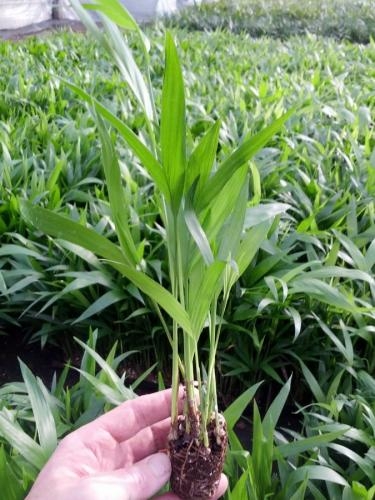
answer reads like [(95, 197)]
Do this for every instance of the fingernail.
[(160, 465)]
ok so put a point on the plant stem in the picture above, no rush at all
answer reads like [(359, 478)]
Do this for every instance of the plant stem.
[(170, 339), (175, 376), (210, 375), (174, 275), (188, 346)]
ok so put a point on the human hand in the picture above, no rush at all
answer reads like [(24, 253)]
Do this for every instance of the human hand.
[(115, 457)]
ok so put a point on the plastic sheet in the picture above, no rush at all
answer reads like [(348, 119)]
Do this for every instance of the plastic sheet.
[(19, 13)]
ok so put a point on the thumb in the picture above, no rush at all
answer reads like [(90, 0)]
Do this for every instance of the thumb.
[(145, 478)]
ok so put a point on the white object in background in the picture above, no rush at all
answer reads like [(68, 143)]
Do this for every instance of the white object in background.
[(166, 7), (141, 10), (181, 4), (64, 11), (19, 13)]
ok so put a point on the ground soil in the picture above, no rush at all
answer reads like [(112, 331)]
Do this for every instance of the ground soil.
[(43, 362)]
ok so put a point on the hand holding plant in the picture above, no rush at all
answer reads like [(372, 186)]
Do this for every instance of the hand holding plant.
[(117, 456)]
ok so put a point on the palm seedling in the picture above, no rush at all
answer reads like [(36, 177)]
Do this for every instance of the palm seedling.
[(209, 240)]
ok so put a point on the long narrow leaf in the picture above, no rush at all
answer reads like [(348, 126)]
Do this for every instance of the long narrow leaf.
[(172, 123), (202, 159), (240, 157), (141, 151), (118, 203), (273, 413), (235, 409), (21, 442), (42, 413), (207, 289), (64, 228), (318, 472), (115, 11)]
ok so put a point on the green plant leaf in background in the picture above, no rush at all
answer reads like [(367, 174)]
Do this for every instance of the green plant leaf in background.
[(20, 441), (44, 421)]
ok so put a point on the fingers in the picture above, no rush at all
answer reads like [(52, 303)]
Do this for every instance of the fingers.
[(222, 488), (132, 416), (223, 485), (141, 481), (138, 482), (149, 440)]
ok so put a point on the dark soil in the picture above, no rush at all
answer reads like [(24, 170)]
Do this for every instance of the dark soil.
[(43, 363)]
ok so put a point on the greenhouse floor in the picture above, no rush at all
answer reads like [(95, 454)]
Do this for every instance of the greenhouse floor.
[(40, 28)]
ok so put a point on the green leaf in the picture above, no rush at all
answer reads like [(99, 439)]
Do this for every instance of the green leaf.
[(216, 218), (86, 19), (196, 230), (239, 490), (82, 280), (112, 394), (115, 11), (64, 228), (273, 414), (141, 151), (264, 212), (235, 409), (341, 272), (300, 493), (318, 472), (250, 245), (116, 382), (323, 292), (44, 421), (299, 446), (172, 124), (160, 295), (18, 250), (111, 38), (11, 488), (21, 442), (117, 200), (312, 382), (240, 157), (202, 159), (106, 300), (232, 230), (261, 455), (143, 376), (204, 294)]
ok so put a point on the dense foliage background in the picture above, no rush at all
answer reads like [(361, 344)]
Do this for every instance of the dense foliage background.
[(306, 306)]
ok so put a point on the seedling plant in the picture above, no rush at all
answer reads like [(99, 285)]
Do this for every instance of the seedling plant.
[(203, 208)]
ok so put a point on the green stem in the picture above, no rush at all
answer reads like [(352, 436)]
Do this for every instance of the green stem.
[(173, 263), (175, 377), (210, 375), (170, 339)]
